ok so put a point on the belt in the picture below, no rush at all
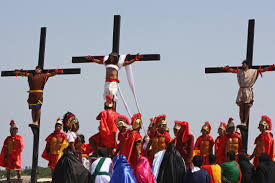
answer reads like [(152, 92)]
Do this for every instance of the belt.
[(112, 80), (35, 91), (245, 87)]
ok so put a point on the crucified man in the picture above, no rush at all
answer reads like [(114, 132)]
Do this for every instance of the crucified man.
[(246, 79), (37, 81), (112, 67)]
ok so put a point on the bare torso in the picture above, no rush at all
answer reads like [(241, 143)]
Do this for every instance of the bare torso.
[(111, 73)]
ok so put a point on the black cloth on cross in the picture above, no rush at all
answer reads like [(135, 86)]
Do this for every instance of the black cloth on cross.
[(172, 168), (265, 172), (247, 168), (70, 170)]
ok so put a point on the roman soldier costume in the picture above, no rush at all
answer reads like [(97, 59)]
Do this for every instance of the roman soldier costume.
[(205, 143), (264, 142), (132, 148), (53, 146)]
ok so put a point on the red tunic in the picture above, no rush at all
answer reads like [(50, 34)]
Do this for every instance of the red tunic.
[(134, 140), (217, 144), (123, 137), (225, 140), (185, 147), (107, 128), (205, 145), (53, 146), (37, 82), (13, 146), (264, 144)]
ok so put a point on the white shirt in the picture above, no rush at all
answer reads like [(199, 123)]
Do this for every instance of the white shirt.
[(106, 167), (71, 136)]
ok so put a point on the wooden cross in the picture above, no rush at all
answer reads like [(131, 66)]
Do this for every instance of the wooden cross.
[(18, 73), (116, 36), (249, 59)]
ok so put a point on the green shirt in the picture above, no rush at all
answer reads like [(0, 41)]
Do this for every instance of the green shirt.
[(230, 172)]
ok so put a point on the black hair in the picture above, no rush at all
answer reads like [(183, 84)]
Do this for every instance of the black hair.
[(246, 62), (197, 161), (212, 159), (38, 67), (243, 157), (115, 55), (231, 155), (82, 138)]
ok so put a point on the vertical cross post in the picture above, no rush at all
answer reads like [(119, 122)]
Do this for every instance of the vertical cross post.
[(116, 34), (36, 130)]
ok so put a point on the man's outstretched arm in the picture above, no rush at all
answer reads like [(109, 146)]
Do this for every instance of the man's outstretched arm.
[(138, 57), (229, 69), (91, 58)]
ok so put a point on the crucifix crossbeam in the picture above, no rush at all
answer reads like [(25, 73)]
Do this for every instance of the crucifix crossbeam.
[(115, 48), (36, 130), (249, 60), (40, 61)]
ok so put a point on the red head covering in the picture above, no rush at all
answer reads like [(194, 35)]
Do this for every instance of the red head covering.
[(124, 118), (208, 124), (109, 99), (12, 122), (222, 124), (134, 117), (186, 132), (157, 119), (268, 121)]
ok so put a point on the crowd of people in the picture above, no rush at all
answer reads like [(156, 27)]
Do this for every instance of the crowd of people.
[(120, 154)]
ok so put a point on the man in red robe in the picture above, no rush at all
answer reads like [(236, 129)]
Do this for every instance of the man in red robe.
[(132, 148), (53, 146), (231, 141), (264, 142), (221, 132), (106, 138), (160, 138), (10, 156), (37, 81), (205, 143), (123, 134), (184, 142)]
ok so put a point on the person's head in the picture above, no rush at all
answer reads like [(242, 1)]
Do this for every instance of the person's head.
[(230, 127), (58, 125), (265, 124), (243, 157), (231, 156), (151, 125), (136, 122), (38, 70), (176, 128), (109, 102), (161, 123), (197, 161), (245, 65), (212, 159), (113, 58), (13, 128), (82, 138), (70, 122), (222, 129), (122, 122), (206, 128)]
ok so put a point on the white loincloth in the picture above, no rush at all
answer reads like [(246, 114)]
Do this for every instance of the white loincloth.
[(111, 88), (246, 80)]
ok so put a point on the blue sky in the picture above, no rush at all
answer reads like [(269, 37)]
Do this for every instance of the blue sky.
[(189, 35)]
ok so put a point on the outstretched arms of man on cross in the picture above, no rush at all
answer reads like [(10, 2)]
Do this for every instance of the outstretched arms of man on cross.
[(101, 61)]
